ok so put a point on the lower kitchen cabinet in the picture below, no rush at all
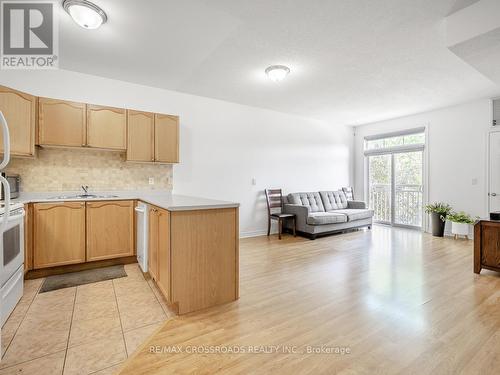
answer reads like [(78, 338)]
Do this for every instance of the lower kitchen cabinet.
[(77, 232), (159, 249), (59, 234), (193, 256), (110, 229)]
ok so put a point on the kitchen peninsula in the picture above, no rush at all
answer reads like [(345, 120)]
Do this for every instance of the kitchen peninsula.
[(193, 242)]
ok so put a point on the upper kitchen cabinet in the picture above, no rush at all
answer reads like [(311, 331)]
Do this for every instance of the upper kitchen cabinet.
[(19, 109), (140, 139), (61, 123), (106, 127), (166, 138)]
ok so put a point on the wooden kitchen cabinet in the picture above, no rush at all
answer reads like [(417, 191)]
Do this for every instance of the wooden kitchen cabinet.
[(61, 123), (166, 138), (193, 256), (153, 222), (20, 111), (106, 127), (110, 229), (140, 137), (159, 249), (59, 234)]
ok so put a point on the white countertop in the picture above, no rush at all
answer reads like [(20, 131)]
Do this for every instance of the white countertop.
[(165, 200)]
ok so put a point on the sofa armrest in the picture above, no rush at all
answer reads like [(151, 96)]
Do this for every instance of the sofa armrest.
[(356, 204), (301, 213)]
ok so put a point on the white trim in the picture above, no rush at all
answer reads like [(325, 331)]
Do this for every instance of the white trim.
[(254, 233), (395, 149), (398, 133)]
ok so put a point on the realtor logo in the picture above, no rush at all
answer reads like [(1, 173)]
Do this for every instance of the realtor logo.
[(29, 37)]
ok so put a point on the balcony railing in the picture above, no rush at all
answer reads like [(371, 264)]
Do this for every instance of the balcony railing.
[(408, 204)]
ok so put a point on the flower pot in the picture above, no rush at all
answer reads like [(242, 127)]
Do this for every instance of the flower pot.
[(437, 225), (460, 229)]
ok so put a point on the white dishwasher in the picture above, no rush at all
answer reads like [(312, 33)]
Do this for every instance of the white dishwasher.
[(142, 211)]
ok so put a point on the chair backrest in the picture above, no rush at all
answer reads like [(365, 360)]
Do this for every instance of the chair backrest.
[(349, 193), (274, 199)]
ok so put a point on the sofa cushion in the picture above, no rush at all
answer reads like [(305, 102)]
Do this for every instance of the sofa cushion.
[(319, 218), (355, 213), (311, 200), (334, 200)]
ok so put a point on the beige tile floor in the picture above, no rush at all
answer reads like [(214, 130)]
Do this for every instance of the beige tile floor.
[(89, 329)]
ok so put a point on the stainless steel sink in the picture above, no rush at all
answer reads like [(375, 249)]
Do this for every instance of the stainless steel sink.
[(85, 196)]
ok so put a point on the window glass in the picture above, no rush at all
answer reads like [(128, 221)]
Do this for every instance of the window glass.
[(400, 140)]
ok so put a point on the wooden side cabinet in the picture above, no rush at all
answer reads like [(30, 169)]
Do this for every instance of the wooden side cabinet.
[(20, 111), (61, 123), (166, 138), (159, 249), (487, 245), (59, 234), (110, 229), (140, 138), (106, 127), (153, 223)]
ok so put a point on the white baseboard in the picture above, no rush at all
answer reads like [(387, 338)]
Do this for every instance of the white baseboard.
[(254, 233)]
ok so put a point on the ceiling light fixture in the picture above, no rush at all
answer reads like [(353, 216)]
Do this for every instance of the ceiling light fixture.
[(277, 73), (84, 13)]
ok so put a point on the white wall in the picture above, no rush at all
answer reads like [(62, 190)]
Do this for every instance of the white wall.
[(223, 145), (457, 142)]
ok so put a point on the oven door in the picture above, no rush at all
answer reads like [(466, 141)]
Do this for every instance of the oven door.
[(12, 245)]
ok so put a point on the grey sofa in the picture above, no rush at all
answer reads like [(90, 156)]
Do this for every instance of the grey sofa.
[(326, 212)]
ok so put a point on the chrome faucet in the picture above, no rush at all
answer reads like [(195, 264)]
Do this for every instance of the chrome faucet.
[(85, 189)]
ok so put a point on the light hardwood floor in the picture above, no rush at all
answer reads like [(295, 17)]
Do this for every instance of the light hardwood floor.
[(400, 301)]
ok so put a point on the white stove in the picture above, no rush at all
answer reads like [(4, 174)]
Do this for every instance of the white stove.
[(11, 259), (12, 207)]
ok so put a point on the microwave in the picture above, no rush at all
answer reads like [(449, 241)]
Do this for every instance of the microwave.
[(14, 181)]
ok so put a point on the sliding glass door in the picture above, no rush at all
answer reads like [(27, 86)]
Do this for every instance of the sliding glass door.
[(395, 179), (408, 188)]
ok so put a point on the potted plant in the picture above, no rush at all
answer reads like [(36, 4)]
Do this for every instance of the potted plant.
[(460, 222), (439, 211)]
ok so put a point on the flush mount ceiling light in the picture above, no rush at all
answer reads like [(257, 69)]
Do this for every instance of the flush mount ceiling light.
[(277, 73), (85, 13)]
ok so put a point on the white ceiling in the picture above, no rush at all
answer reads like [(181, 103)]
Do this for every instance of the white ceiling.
[(352, 62)]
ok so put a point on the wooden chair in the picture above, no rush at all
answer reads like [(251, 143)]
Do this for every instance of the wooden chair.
[(274, 198)]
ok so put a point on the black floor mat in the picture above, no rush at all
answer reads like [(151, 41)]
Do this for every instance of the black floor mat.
[(68, 280)]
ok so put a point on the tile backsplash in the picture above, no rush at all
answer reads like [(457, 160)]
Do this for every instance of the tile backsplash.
[(68, 169)]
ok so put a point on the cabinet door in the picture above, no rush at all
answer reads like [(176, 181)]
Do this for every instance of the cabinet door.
[(163, 270), (140, 139), (153, 243), (106, 127), (166, 138), (59, 234), (490, 245), (61, 123), (19, 110), (110, 229)]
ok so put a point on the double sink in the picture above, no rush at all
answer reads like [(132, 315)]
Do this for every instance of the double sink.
[(85, 196)]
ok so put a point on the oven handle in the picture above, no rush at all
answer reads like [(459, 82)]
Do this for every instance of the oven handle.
[(6, 190)]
